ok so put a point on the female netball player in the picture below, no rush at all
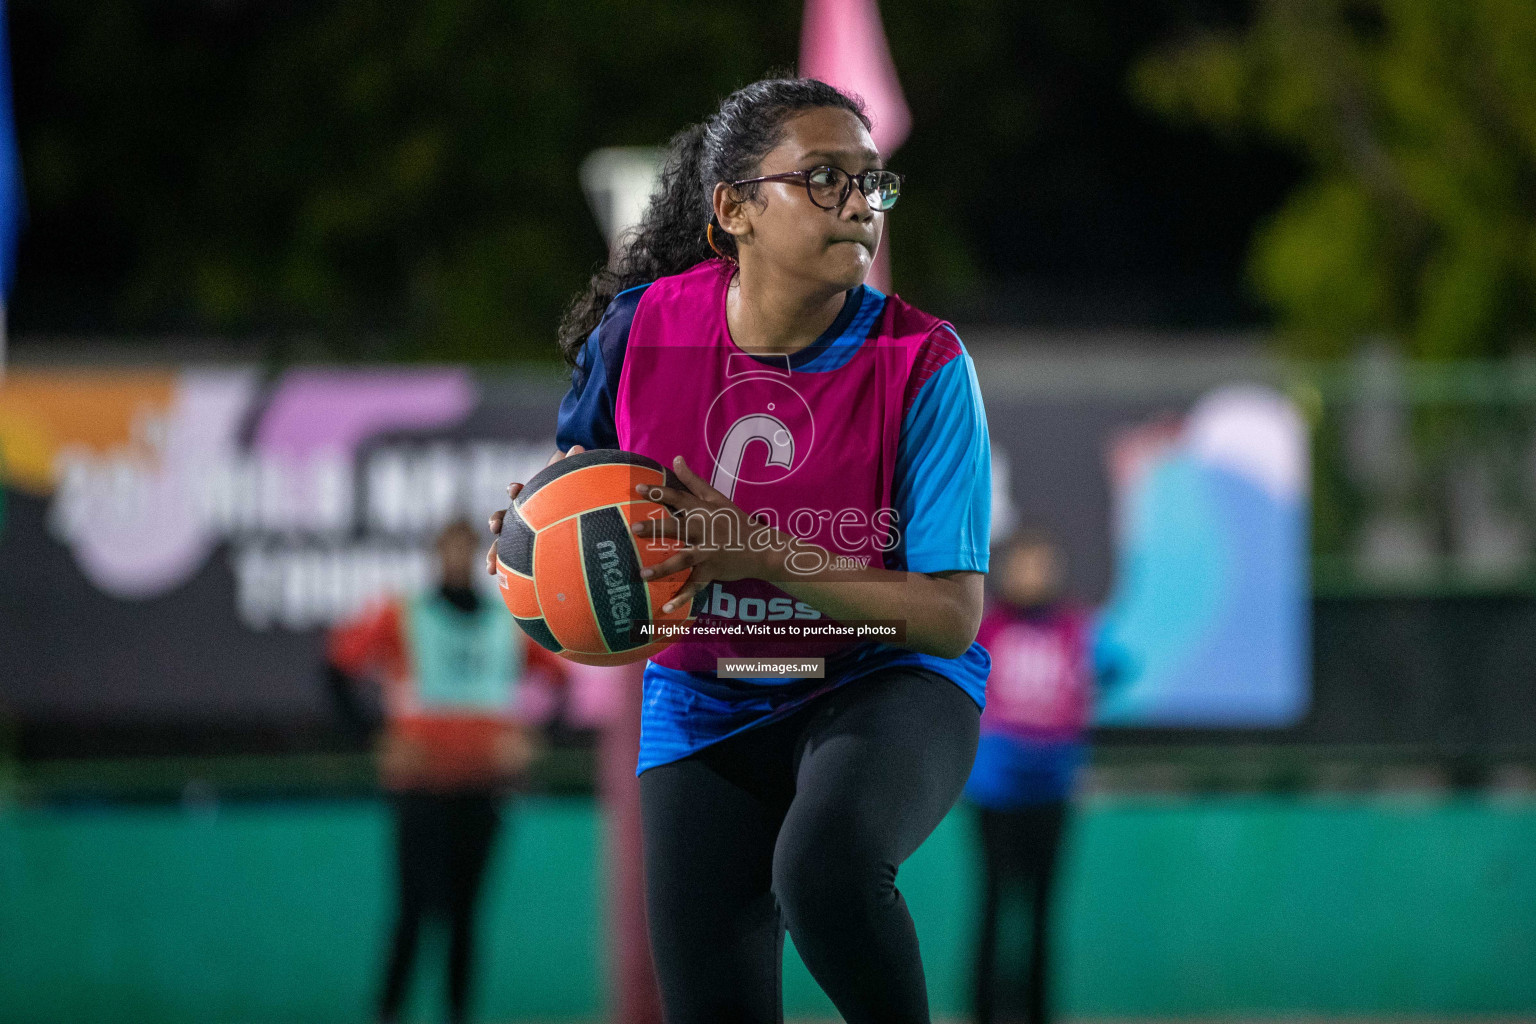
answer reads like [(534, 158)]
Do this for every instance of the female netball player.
[(733, 339), (1045, 668)]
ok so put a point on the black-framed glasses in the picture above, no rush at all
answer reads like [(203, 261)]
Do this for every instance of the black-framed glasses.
[(830, 187)]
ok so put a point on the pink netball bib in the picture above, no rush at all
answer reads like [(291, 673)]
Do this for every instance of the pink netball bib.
[(813, 449), (1041, 683)]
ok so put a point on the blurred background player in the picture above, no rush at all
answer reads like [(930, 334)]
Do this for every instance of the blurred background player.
[(451, 665), (1039, 703)]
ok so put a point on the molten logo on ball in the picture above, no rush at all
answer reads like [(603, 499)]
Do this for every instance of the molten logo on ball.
[(615, 581)]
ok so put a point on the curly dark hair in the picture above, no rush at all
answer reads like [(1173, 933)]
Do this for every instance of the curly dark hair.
[(727, 146)]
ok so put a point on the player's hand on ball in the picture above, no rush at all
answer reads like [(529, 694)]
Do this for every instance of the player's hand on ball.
[(513, 489), (705, 523)]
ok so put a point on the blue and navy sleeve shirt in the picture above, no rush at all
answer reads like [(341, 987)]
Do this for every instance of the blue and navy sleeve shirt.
[(941, 492), (587, 411), (942, 489)]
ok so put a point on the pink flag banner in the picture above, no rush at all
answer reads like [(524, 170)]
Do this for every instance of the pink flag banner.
[(842, 42)]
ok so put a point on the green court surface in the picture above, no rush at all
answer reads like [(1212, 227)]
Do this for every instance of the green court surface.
[(1232, 908)]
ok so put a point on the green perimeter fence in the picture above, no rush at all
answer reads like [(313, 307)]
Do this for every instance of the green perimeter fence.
[(1170, 906)]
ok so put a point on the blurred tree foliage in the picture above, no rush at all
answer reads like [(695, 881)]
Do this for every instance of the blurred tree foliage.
[(404, 172), (1418, 120), (399, 180)]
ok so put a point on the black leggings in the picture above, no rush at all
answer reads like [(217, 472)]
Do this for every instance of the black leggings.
[(442, 843), (1021, 851), (803, 823)]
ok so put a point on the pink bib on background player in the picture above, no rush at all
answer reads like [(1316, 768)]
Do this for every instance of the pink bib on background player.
[(814, 449), (1041, 685)]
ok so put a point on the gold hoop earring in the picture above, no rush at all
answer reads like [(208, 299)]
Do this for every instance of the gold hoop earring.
[(709, 235)]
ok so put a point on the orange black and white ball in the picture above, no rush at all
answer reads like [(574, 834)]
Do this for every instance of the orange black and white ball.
[(570, 564)]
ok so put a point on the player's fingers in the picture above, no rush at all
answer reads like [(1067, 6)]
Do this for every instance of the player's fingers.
[(690, 590), (497, 519), (668, 496), (698, 485), (574, 449), (686, 559), (658, 526), (514, 489)]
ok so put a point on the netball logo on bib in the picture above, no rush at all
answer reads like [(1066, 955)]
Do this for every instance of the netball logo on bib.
[(759, 429)]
